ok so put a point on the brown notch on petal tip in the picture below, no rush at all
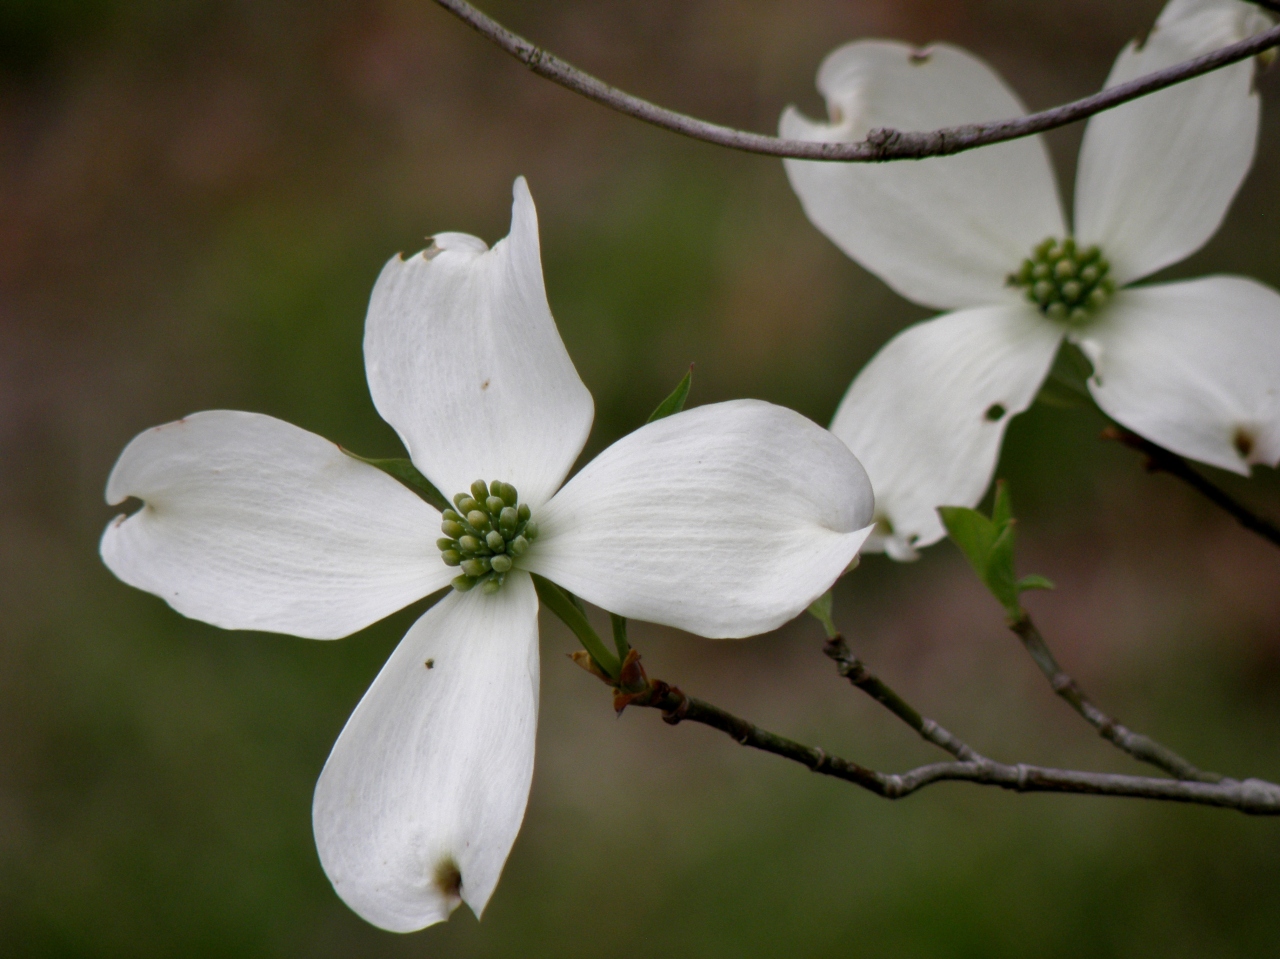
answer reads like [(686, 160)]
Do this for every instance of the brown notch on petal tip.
[(448, 878), (1243, 441), (920, 56)]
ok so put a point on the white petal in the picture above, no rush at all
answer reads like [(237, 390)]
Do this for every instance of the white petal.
[(428, 782), (251, 523), (465, 361), (725, 520), (927, 415), (1194, 367), (1156, 175), (945, 231)]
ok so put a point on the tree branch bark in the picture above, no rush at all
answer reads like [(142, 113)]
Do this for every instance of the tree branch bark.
[(1161, 460), (1140, 747), (635, 688), (880, 145), (1252, 796)]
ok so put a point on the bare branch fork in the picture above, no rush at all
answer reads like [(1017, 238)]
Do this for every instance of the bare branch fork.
[(634, 688), (881, 144), (1161, 460)]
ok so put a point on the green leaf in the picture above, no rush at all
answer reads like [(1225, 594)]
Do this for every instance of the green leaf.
[(972, 532), (1002, 508), (675, 402), (999, 573), (404, 470), (1034, 582), (988, 546), (820, 609)]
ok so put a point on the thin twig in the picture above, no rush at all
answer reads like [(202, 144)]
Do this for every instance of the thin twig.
[(880, 144), (1252, 796), (854, 670), (1138, 746), (1161, 460)]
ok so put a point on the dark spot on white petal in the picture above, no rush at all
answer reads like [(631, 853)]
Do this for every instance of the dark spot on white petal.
[(433, 251), (484, 385), (995, 412), (920, 56), (447, 877), (430, 664), (1243, 441)]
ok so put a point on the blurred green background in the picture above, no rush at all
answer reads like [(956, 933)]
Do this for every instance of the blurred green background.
[(195, 199)]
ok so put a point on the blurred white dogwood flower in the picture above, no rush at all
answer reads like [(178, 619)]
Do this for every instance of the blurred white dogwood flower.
[(726, 520), (1193, 366)]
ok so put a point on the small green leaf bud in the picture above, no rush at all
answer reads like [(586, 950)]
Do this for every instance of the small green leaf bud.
[(524, 512), (1071, 291), (1078, 315), (490, 586), (500, 564), (1065, 268), (1097, 298), (461, 501), (1056, 311), (450, 515), (479, 491), (508, 519), (475, 566), (443, 544), (1042, 291), (1041, 271), (479, 519), (509, 494), (517, 546), (495, 540), (531, 530), (463, 583), (494, 505), (1089, 274), (469, 544), (451, 557), (451, 529)]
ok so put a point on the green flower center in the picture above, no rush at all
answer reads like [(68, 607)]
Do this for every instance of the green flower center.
[(490, 529), (1066, 284)]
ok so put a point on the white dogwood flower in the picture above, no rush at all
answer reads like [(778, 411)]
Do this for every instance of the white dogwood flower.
[(726, 520), (1193, 366)]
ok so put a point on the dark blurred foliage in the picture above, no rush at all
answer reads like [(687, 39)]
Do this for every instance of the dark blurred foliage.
[(195, 199)]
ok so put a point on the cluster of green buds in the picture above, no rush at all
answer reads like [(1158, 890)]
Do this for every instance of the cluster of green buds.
[(1067, 284), (489, 530)]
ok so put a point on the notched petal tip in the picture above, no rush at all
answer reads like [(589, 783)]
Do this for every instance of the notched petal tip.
[(447, 879), (463, 243)]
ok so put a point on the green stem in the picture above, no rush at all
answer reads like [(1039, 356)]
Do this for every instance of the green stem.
[(619, 624), (558, 601)]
